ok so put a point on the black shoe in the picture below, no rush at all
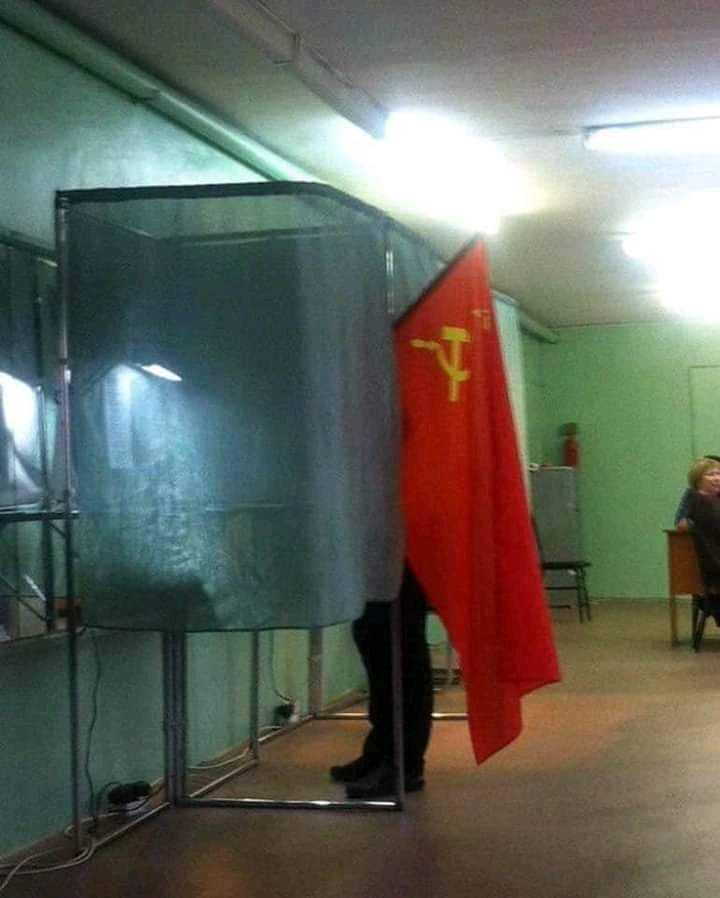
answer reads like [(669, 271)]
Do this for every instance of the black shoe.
[(355, 770), (380, 784)]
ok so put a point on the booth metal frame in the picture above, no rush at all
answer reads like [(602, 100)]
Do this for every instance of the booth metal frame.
[(175, 643)]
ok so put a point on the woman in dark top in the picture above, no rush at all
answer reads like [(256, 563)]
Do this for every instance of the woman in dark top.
[(682, 515), (704, 511)]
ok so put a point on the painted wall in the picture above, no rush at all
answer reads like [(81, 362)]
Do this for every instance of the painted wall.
[(511, 342), (63, 129), (535, 398), (628, 387)]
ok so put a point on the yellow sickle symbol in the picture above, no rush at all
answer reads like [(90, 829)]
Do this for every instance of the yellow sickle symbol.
[(455, 336)]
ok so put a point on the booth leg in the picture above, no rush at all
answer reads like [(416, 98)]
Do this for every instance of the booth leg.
[(175, 703)]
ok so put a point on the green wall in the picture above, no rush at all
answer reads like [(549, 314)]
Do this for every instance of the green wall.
[(62, 129), (535, 398), (628, 388), (511, 341)]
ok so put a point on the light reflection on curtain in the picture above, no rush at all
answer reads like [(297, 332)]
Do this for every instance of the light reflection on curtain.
[(259, 491)]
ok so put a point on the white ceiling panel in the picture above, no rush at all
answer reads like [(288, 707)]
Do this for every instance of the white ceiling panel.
[(530, 76)]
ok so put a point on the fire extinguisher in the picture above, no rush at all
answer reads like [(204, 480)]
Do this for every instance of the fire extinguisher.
[(571, 446)]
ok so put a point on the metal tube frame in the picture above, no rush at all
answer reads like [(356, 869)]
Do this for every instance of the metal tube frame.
[(175, 703), (74, 703), (47, 527), (175, 644), (68, 516)]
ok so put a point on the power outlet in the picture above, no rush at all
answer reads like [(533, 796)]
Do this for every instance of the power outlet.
[(129, 797), (286, 713)]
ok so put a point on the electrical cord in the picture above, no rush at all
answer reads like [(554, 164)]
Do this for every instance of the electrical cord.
[(273, 684), (95, 820), (236, 759), (96, 803), (16, 869), (216, 765), (93, 800)]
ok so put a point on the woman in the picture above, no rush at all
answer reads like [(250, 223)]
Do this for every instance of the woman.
[(682, 515), (704, 511)]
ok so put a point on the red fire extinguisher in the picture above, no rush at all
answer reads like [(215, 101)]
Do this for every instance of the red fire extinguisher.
[(571, 446)]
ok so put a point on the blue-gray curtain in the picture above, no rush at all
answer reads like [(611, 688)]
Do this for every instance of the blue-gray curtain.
[(258, 490)]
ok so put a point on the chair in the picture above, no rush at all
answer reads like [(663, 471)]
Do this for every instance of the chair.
[(700, 614), (577, 570), (704, 605), (573, 567)]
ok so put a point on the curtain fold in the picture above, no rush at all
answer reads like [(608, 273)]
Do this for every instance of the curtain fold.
[(251, 480)]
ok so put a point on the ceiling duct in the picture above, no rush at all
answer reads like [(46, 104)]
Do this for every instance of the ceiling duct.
[(68, 41), (258, 24)]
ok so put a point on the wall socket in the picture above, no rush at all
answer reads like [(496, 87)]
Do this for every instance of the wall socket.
[(287, 712)]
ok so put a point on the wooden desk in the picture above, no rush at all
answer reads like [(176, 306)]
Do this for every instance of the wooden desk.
[(683, 574)]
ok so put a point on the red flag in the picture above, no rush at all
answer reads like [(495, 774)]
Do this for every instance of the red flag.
[(470, 539)]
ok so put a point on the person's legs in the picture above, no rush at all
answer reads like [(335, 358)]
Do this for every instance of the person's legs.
[(417, 676), (371, 634), (373, 637)]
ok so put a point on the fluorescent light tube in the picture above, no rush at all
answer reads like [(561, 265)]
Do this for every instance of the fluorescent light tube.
[(159, 371), (682, 136)]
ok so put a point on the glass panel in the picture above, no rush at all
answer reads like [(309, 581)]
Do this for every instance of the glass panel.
[(27, 425)]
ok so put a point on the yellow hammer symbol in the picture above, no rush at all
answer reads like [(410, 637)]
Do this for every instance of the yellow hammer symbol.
[(452, 366)]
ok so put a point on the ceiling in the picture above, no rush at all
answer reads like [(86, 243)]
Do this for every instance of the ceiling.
[(528, 75)]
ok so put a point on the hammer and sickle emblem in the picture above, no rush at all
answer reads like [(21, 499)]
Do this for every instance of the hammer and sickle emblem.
[(452, 365)]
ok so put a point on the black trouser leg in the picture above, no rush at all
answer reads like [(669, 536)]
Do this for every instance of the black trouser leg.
[(372, 634)]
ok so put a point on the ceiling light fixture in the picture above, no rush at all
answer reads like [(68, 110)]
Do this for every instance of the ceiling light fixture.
[(437, 168), (677, 245), (679, 136), (159, 371)]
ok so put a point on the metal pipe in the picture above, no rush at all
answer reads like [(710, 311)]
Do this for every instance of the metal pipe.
[(288, 803), (251, 763), (208, 787), (389, 272), (61, 236), (397, 698), (175, 702), (527, 323), (286, 47), (68, 41), (396, 607), (168, 719), (180, 645), (46, 545), (315, 670), (255, 695), (536, 329)]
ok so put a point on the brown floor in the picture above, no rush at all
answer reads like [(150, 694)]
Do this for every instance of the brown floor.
[(609, 792)]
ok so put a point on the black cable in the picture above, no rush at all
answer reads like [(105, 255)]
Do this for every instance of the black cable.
[(96, 801), (273, 685), (92, 803)]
